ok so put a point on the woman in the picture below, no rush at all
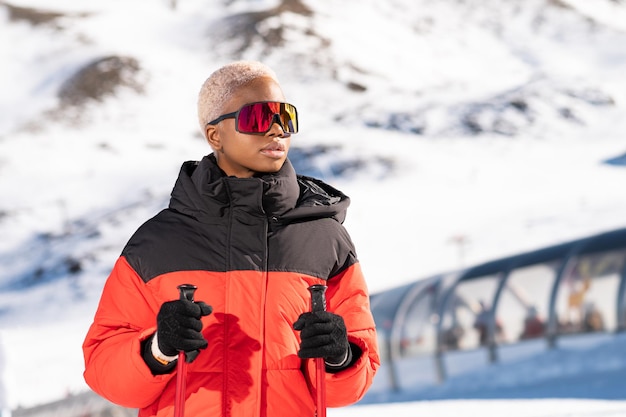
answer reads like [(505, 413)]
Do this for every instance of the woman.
[(252, 236)]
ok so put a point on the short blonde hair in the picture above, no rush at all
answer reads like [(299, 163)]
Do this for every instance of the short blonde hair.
[(221, 84)]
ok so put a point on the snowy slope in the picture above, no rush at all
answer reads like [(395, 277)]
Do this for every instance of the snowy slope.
[(478, 121)]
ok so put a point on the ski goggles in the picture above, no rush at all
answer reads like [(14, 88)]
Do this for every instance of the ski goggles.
[(260, 116)]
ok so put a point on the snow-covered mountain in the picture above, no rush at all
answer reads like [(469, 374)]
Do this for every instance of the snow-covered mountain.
[(463, 130)]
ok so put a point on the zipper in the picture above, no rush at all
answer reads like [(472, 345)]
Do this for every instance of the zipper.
[(264, 285)]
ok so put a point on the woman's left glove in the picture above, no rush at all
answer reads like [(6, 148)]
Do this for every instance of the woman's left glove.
[(324, 335)]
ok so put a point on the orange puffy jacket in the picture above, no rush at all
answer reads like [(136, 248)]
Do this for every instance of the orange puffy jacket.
[(252, 246)]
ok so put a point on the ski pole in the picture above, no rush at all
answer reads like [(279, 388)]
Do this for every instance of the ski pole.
[(186, 292), (318, 303)]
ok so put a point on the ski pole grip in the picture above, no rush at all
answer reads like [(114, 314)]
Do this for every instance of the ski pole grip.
[(186, 292), (318, 297)]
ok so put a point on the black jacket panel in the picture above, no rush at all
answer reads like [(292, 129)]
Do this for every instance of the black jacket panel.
[(273, 222)]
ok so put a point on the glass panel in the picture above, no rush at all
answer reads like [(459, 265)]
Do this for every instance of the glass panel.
[(524, 301), (587, 296), (464, 318), (418, 336)]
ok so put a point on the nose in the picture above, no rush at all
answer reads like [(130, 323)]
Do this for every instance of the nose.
[(277, 128)]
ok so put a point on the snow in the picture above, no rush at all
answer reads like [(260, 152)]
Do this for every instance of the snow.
[(526, 408), (75, 186)]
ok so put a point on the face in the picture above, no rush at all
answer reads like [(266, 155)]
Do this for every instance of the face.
[(244, 155)]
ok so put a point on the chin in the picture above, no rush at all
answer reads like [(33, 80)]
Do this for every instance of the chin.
[(273, 167)]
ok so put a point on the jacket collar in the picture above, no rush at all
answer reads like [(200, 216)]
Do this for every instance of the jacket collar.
[(205, 192)]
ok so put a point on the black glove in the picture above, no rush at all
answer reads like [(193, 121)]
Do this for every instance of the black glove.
[(179, 326), (323, 335)]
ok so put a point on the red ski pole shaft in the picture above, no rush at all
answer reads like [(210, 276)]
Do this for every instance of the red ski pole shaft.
[(186, 292), (318, 303)]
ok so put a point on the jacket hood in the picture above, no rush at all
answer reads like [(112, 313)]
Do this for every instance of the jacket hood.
[(204, 192)]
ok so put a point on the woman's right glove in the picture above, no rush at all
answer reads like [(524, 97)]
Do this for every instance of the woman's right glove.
[(179, 326), (178, 329)]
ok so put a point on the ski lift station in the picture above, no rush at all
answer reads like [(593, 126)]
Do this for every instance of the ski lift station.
[(564, 298)]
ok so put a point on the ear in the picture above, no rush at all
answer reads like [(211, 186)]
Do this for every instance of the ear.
[(212, 135)]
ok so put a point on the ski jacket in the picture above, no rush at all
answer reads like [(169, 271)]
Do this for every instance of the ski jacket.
[(252, 246)]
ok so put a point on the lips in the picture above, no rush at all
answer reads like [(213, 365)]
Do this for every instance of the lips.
[(275, 150), (275, 147)]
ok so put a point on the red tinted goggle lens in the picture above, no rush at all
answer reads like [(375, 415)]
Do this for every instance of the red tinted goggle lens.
[(259, 117)]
